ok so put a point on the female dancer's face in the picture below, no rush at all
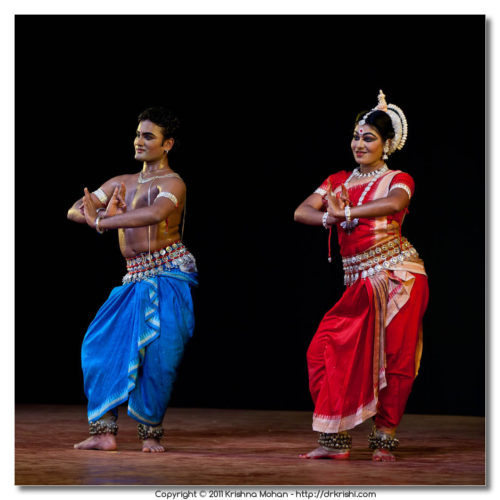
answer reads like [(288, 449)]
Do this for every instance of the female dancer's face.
[(367, 146)]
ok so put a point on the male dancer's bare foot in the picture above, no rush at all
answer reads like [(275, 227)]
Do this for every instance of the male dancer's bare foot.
[(105, 442), (322, 452), (383, 456), (152, 446)]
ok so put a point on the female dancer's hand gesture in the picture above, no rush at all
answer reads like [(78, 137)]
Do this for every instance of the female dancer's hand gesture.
[(337, 204)]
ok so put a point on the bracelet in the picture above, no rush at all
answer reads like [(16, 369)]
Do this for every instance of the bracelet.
[(323, 220), (347, 213), (97, 228)]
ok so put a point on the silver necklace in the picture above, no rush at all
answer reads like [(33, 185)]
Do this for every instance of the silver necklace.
[(357, 172), (142, 180), (349, 226)]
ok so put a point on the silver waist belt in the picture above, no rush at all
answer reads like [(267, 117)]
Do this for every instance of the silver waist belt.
[(377, 259), (144, 265)]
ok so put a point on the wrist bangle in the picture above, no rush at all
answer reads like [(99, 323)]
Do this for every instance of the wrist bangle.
[(323, 220), (347, 213), (97, 228)]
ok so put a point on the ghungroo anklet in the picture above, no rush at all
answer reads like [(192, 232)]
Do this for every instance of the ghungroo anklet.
[(101, 427), (147, 432), (335, 441), (378, 440)]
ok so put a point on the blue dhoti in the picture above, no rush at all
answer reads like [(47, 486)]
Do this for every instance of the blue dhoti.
[(134, 345)]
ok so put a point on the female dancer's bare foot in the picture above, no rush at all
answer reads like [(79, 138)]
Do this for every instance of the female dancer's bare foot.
[(383, 456), (322, 452), (106, 442), (152, 446)]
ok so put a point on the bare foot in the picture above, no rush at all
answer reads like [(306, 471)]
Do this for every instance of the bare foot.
[(106, 442), (322, 452), (152, 446), (383, 456)]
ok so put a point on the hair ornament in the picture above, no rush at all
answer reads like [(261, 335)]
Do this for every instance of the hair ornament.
[(382, 103), (398, 119)]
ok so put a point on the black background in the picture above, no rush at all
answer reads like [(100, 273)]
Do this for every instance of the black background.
[(267, 105)]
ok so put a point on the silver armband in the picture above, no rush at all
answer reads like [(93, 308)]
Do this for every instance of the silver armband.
[(101, 195), (320, 191), (170, 196), (402, 186)]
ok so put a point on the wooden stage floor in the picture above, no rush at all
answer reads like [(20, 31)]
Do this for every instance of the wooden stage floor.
[(241, 447)]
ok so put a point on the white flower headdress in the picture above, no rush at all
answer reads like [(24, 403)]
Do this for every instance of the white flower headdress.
[(398, 119)]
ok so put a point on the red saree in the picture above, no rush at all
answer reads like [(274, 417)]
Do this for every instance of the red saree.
[(366, 352)]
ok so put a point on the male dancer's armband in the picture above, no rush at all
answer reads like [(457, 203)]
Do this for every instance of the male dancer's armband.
[(170, 196), (103, 197)]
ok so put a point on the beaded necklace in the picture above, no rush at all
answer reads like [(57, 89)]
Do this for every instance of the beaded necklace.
[(357, 172), (349, 226)]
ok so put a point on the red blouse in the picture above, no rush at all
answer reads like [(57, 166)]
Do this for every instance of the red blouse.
[(369, 231)]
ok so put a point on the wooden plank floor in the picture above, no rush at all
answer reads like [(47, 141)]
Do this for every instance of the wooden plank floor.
[(240, 447)]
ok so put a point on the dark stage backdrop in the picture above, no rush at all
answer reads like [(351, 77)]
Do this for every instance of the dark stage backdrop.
[(267, 105)]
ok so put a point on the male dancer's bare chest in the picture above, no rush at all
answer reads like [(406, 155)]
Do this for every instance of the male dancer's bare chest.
[(141, 195)]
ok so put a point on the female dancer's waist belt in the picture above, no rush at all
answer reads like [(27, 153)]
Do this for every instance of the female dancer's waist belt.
[(377, 259), (173, 256)]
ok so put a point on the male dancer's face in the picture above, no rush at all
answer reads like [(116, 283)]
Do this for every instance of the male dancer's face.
[(148, 143)]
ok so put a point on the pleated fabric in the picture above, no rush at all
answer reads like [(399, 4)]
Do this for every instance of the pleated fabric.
[(347, 357), (134, 345)]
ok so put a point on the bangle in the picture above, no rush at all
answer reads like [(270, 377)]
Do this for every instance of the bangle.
[(323, 220), (97, 228), (347, 213)]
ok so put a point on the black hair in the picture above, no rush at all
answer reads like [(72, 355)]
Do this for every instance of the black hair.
[(381, 121), (165, 119)]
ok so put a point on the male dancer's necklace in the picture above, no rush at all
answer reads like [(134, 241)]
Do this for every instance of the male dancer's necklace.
[(142, 180)]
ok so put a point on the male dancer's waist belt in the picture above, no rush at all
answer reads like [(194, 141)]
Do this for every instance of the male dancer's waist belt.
[(377, 259), (173, 256)]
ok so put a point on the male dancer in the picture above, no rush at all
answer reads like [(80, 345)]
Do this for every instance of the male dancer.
[(133, 346)]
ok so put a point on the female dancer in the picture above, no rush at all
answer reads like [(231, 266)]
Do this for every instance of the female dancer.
[(366, 352)]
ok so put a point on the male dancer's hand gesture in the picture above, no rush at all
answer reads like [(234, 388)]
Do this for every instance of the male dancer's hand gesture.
[(117, 203)]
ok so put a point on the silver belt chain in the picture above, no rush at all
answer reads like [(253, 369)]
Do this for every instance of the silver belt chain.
[(145, 265), (377, 259)]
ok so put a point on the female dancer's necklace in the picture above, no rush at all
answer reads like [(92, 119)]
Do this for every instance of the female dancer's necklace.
[(357, 172), (350, 225)]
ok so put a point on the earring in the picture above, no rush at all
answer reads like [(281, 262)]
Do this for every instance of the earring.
[(386, 150), (166, 151)]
